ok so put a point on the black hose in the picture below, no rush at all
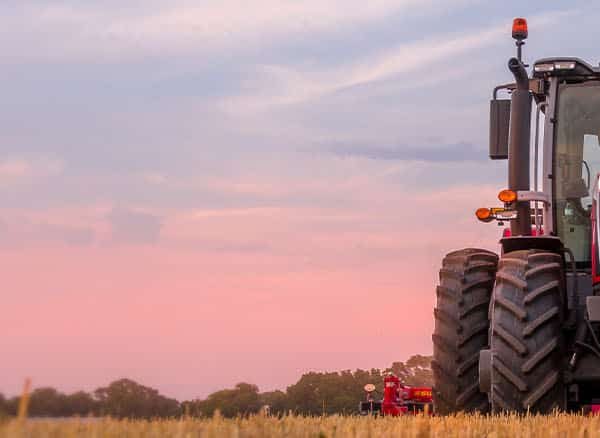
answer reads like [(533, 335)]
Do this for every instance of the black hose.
[(575, 283), (593, 333), (588, 347)]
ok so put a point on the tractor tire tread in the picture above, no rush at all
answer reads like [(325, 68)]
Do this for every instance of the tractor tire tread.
[(511, 340), (467, 394), (540, 291), (473, 331), (511, 279), (538, 356), (467, 364), (446, 317), (486, 283), (474, 306), (509, 375), (511, 307), (542, 268), (541, 390), (461, 325), (526, 336), (540, 320), (444, 345)]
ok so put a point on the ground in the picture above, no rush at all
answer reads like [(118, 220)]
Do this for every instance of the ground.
[(559, 425)]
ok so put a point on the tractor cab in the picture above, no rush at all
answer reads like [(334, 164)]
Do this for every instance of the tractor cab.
[(575, 150), (566, 100)]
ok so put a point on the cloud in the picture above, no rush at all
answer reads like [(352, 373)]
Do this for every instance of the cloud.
[(459, 152), (134, 227), (69, 234), (93, 31), (420, 54), (23, 232), (19, 170), (14, 169), (285, 85)]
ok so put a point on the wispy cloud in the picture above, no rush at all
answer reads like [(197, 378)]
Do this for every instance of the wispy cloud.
[(134, 227), (27, 233), (19, 170), (276, 85), (459, 152), (91, 30)]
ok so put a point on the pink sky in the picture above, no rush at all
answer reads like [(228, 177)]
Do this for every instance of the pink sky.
[(258, 295), (195, 194)]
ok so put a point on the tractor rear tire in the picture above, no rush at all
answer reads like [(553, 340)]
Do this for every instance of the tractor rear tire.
[(526, 333), (461, 330)]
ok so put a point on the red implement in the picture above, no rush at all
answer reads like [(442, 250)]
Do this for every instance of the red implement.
[(392, 396), (398, 399)]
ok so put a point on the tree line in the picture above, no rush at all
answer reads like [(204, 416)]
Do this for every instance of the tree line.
[(316, 393)]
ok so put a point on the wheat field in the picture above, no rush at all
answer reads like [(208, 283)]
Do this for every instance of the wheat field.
[(558, 425)]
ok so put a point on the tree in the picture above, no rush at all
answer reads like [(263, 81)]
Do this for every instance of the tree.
[(313, 394), (80, 403), (11, 406), (416, 371), (126, 398), (47, 402), (277, 401), (241, 400), (306, 395), (3, 406), (329, 393)]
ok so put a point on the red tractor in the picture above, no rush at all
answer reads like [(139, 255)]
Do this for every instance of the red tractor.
[(398, 399), (519, 330)]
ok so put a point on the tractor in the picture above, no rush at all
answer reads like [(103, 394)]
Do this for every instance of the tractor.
[(398, 399), (519, 331)]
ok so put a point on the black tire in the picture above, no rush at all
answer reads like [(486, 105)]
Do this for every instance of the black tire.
[(461, 330), (526, 334)]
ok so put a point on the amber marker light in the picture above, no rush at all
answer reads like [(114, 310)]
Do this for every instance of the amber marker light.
[(507, 196), (484, 214)]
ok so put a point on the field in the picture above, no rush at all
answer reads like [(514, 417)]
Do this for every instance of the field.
[(559, 425)]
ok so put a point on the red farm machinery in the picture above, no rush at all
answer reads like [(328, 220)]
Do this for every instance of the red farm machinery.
[(398, 399), (519, 330)]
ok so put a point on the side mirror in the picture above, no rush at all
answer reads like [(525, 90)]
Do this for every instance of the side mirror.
[(499, 126)]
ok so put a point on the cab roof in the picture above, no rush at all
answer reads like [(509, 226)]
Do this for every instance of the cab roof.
[(564, 66)]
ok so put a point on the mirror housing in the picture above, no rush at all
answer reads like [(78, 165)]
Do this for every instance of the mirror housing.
[(499, 127)]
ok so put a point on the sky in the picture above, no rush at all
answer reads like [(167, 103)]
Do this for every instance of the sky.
[(196, 194)]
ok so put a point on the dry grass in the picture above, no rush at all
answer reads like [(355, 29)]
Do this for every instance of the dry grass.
[(463, 426)]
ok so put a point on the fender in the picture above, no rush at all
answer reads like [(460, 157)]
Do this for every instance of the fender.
[(546, 243)]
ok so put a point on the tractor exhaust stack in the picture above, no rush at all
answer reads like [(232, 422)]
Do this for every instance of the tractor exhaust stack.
[(518, 149)]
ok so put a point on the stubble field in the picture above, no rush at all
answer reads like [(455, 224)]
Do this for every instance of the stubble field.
[(559, 425)]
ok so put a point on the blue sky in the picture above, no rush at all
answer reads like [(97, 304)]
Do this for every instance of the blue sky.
[(279, 139), (110, 93)]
